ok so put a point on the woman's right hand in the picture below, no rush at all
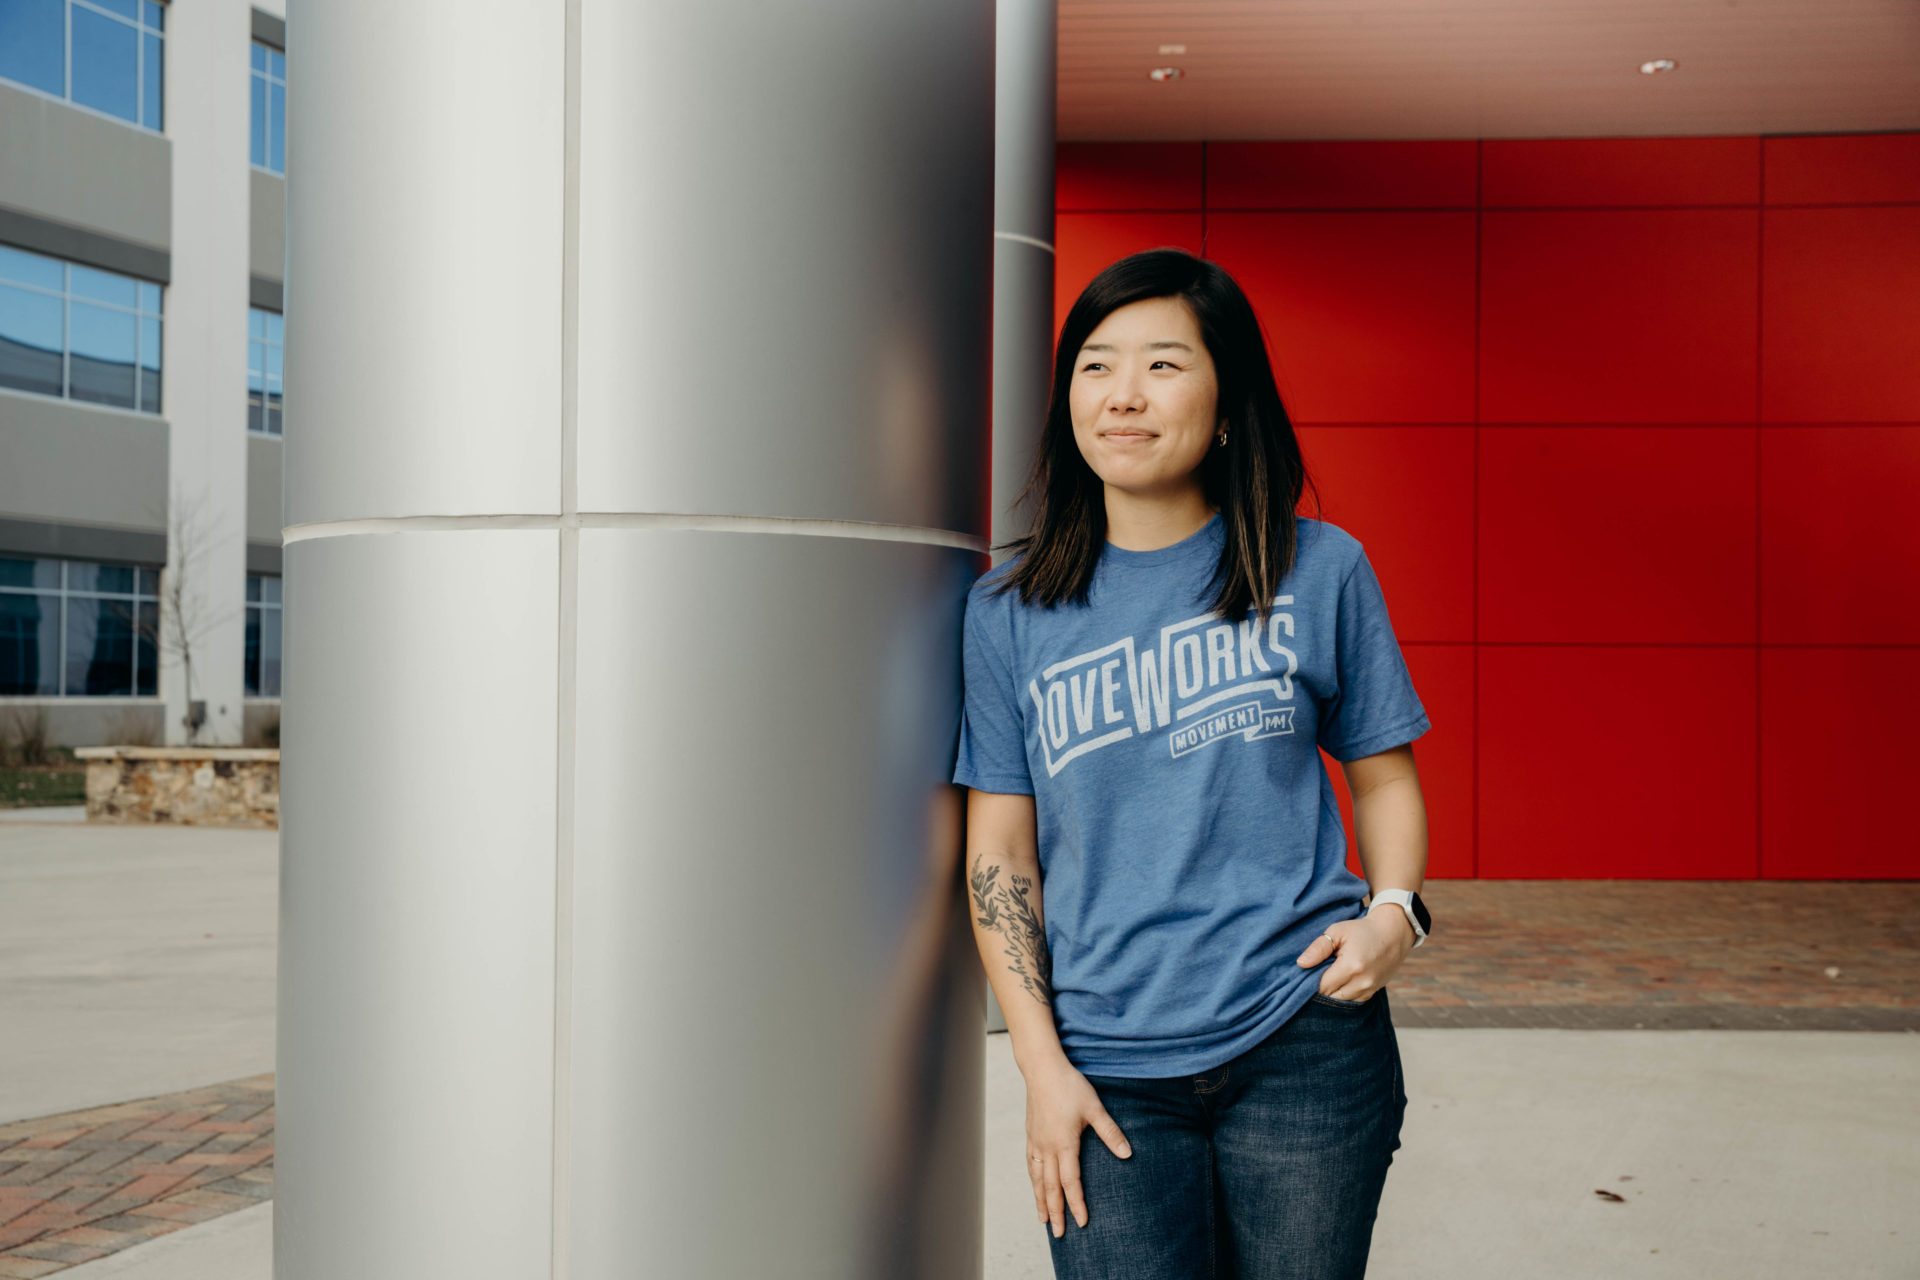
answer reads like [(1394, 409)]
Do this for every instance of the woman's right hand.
[(1060, 1103)]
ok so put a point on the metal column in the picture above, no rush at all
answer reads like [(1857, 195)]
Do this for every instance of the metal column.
[(1023, 254), (636, 392)]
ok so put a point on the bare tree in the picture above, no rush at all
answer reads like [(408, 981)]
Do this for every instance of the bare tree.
[(185, 615)]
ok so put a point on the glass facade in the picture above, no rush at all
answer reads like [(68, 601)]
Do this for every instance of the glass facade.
[(77, 628), (79, 332), (108, 55), (269, 108), (263, 371), (263, 635)]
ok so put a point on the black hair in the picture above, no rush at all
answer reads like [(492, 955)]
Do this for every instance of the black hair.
[(1255, 479)]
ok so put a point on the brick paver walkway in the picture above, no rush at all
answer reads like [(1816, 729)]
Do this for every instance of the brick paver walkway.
[(1513, 953), (1667, 954), (82, 1185)]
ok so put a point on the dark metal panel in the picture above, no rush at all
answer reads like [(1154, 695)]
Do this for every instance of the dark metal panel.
[(270, 29), (266, 224), (264, 557), (49, 538), (77, 244)]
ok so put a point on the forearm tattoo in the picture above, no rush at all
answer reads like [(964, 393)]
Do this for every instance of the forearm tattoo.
[(1007, 909)]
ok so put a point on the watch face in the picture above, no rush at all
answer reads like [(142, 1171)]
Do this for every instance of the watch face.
[(1420, 912)]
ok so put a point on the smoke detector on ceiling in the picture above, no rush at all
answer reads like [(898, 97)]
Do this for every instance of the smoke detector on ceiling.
[(1166, 73)]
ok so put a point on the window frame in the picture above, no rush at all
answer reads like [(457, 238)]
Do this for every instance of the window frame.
[(275, 413), (258, 679), (141, 32), (63, 592), (138, 311), (269, 79)]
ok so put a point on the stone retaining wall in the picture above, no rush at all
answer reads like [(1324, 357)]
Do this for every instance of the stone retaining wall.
[(194, 786)]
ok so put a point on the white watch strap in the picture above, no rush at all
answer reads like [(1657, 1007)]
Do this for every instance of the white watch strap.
[(1403, 899)]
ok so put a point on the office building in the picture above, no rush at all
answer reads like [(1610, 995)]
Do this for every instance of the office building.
[(142, 216)]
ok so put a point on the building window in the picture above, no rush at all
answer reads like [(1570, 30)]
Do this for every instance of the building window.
[(79, 332), (263, 371), (75, 628), (269, 108), (263, 635), (103, 54)]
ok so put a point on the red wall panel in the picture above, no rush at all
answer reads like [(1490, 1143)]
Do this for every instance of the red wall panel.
[(1340, 175), (1088, 242), (1617, 535), (1836, 763), (1369, 316), (1443, 676), (1127, 175), (1407, 494), (1630, 315), (1849, 168), (1631, 431), (1841, 341), (1600, 172), (1616, 762), (1839, 545)]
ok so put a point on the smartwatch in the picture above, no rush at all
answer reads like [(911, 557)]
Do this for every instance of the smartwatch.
[(1408, 901)]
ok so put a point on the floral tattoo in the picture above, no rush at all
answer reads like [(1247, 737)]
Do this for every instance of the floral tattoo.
[(1008, 910)]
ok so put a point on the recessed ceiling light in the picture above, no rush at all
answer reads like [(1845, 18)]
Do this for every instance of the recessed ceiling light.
[(1166, 73), (1173, 48), (1656, 66)]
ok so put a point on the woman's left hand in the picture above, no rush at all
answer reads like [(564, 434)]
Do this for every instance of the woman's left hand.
[(1367, 952)]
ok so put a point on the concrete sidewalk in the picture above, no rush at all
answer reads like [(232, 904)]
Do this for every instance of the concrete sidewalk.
[(63, 813), (1740, 1155), (236, 1247), (1743, 1155), (133, 961)]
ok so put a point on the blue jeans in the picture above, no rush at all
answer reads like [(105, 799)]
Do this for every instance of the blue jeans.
[(1267, 1168)]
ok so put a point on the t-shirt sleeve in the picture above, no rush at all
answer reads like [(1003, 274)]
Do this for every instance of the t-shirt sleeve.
[(1375, 706), (993, 742)]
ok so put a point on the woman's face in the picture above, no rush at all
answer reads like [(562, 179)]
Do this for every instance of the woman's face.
[(1144, 398)]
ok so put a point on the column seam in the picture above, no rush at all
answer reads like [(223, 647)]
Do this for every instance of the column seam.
[(1017, 238), (570, 521), (566, 664)]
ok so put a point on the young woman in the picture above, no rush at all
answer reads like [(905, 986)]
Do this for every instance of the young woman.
[(1193, 981)]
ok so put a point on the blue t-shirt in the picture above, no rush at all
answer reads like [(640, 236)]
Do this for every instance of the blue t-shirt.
[(1190, 839)]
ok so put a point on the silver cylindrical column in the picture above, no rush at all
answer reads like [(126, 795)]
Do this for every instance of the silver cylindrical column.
[(636, 471), (1023, 253), (1023, 248)]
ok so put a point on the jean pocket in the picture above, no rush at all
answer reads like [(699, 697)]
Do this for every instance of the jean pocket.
[(1334, 1003)]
